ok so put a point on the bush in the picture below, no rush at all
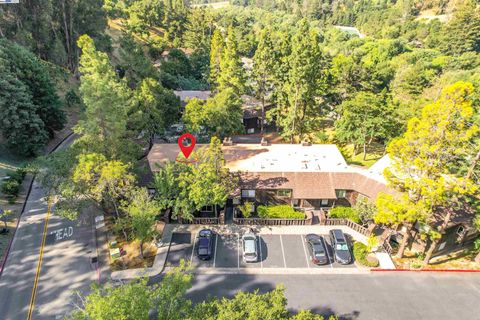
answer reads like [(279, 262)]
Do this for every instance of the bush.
[(360, 252), (18, 175), (246, 209), (345, 213), (279, 212), (11, 187)]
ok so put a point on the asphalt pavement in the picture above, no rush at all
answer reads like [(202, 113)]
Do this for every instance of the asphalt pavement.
[(382, 296), (66, 265)]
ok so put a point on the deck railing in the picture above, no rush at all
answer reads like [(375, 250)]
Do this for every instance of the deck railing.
[(349, 223), (201, 221)]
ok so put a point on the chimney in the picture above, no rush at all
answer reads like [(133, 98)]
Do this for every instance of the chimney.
[(264, 142)]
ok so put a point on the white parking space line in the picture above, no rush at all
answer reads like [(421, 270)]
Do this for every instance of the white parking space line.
[(193, 249), (238, 251), (283, 252), (215, 252), (305, 251), (330, 259), (261, 254)]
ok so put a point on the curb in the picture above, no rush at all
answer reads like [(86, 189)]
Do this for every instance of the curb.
[(427, 270), (24, 205)]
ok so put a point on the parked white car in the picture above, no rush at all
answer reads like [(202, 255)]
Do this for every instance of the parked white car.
[(250, 245)]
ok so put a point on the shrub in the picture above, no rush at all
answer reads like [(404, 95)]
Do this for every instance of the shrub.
[(11, 187), (246, 209), (18, 175), (279, 212), (360, 252), (345, 213)]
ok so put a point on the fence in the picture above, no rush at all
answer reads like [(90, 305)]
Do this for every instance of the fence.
[(201, 221), (349, 223), (274, 222)]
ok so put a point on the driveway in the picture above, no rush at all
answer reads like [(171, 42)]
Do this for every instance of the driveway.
[(276, 251)]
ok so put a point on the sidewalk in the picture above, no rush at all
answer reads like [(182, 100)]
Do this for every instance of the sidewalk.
[(164, 246)]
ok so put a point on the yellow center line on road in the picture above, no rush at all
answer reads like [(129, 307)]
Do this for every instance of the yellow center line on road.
[(37, 274)]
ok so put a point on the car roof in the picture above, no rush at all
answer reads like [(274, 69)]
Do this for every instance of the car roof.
[(339, 235), (250, 246), (205, 232)]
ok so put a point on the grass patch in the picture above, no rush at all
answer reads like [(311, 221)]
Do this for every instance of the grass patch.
[(374, 153)]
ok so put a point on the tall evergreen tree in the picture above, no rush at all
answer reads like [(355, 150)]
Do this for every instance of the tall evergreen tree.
[(232, 75), (462, 33), (216, 53), (107, 101), (306, 82), (263, 68)]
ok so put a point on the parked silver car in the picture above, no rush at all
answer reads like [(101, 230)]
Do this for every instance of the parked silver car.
[(250, 245)]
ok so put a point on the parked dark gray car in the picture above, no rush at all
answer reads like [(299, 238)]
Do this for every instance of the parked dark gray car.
[(205, 244), (341, 249), (317, 249)]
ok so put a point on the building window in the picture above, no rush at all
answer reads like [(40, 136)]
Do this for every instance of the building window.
[(324, 202), (207, 209), (248, 193), (341, 193), (285, 193)]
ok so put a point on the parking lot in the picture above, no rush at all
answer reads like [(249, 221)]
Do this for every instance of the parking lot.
[(287, 251)]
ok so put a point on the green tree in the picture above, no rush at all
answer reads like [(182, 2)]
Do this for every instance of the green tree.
[(216, 53), (21, 127), (220, 115), (155, 108), (107, 101), (31, 109), (400, 209), (137, 66), (95, 180), (135, 300), (210, 182), (424, 156), (462, 33), (271, 305), (365, 118), (305, 83), (263, 68), (232, 75), (142, 210)]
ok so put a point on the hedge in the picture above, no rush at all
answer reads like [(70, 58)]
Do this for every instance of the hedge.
[(279, 212), (360, 253), (345, 213)]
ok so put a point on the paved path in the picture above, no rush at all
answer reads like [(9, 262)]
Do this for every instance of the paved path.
[(392, 295), (66, 264)]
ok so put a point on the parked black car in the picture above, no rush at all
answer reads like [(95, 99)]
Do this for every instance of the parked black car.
[(205, 244), (341, 249), (317, 249)]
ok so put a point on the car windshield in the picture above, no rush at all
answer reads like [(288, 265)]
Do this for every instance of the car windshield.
[(319, 252), (341, 247), (249, 246)]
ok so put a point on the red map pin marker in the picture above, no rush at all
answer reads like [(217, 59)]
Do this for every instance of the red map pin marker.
[(184, 146)]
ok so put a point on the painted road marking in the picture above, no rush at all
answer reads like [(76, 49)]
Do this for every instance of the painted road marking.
[(261, 254), (238, 251), (63, 233), (283, 252), (193, 249), (305, 251), (215, 252), (327, 246), (37, 274)]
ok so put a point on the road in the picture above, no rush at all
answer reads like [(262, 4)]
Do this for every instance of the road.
[(391, 296), (66, 265)]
